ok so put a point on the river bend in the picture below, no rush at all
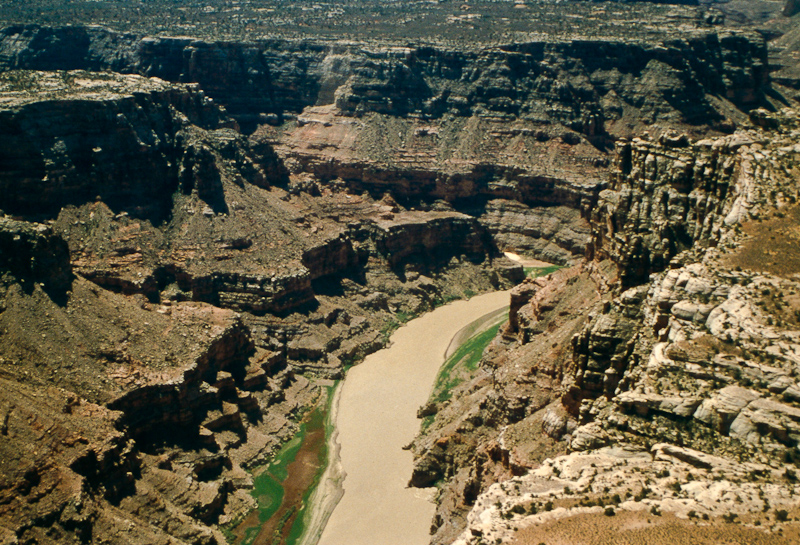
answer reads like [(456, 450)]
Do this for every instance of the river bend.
[(376, 417)]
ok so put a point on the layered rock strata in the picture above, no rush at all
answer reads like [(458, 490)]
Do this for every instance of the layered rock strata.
[(550, 97), (482, 168), (71, 137), (125, 307), (670, 195), (152, 334), (125, 420), (582, 84), (693, 369), (30, 251), (201, 175)]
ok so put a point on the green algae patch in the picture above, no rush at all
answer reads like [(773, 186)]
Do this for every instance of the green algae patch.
[(462, 364), (283, 488)]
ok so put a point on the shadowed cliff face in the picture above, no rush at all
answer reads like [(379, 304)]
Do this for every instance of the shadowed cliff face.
[(31, 252), (592, 86), (71, 137)]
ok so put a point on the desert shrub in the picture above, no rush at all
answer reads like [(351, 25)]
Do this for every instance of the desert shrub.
[(655, 511), (642, 494)]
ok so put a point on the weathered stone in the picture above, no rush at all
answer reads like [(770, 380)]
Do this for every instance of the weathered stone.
[(722, 409)]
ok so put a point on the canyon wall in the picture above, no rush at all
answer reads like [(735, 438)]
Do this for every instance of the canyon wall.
[(675, 349), (29, 251), (582, 84), (61, 147), (176, 290), (120, 418), (165, 327), (668, 196), (545, 105)]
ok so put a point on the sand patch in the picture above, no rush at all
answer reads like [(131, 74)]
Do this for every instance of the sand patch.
[(633, 528), (527, 262)]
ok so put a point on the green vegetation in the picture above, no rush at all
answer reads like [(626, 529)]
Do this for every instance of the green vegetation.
[(438, 302), (393, 324), (319, 418), (461, 365), (268, 489), (488, 21), (536, 272), (267, 486), (466, 358)]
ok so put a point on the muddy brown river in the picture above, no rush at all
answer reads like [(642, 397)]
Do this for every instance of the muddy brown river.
[(375, 416)]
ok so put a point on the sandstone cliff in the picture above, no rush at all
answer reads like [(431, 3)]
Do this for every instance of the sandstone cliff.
[(592, 86), (691, 367)]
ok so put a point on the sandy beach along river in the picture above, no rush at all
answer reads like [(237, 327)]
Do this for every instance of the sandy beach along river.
[(375, 416)]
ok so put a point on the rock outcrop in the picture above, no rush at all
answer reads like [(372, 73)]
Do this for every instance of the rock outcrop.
[(33, 252), (554, 234), (686, 356), (71, 137), (491, 427), (111, 405), (671, 195)]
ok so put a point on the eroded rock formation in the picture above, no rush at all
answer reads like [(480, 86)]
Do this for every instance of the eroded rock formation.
[(124, 307), (692, 365)]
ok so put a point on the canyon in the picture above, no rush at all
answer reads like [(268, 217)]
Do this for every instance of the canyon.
[(200, 234)]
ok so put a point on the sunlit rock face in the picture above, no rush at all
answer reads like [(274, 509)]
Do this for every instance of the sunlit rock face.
[(687, 359)]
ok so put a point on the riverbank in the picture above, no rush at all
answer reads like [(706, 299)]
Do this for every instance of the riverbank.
[(375, 417), (329, 491), (282, 489), (481, 324)]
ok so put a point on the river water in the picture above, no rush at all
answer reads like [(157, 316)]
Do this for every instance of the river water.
[(375, 416)]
